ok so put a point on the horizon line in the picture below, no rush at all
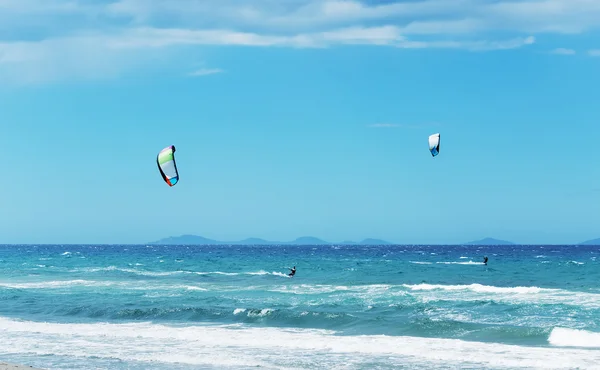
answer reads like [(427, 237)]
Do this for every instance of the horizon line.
[(276, 244), (172, 240)]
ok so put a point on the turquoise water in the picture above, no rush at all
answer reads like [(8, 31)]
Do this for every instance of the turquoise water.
[(354, 307)]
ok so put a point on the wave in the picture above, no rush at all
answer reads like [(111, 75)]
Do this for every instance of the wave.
[(262, 272), (519, 294), (449, 262), (125, 270), (302, 289), (477, 288), (369, 293), (238, 345), (564, 337), (170, 273), (56, 284), (59, 284)]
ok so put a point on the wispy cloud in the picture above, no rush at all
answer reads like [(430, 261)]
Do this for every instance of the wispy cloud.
[(206, 72), (563, 51), (48, 40), (93, 54), (594, 52), (437, 16)]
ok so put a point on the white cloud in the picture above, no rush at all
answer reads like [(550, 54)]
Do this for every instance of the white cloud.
[(48, 40), (91, 54), (455, 16), (383, 35), (471, 45), (594, 52), (206, 72), (563, 51)]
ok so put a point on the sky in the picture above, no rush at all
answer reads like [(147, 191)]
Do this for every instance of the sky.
[(300, 117)]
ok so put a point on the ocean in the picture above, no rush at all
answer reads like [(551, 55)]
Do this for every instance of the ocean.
[(347, 307)]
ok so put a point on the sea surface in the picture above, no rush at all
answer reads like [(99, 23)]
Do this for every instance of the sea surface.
[(348, 307)]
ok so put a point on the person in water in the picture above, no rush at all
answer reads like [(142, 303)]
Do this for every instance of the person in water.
[(485, 259), (292, 271)]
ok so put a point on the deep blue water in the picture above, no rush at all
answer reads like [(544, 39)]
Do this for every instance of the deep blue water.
[(187, 307)]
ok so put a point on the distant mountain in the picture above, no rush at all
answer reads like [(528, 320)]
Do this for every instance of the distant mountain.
[(187, 239), (374, 242), (303, 240), (490, 241), (591, 242), (309, 240)]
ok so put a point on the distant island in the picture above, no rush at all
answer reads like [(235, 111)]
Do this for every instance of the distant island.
[(303, 240), (188, 239), (490, 241), (591, 242)]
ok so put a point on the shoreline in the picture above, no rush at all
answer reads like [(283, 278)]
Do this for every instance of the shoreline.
[(9, 366)]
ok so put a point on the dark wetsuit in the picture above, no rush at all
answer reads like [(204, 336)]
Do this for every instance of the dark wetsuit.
[(485, 259), (293, 271)]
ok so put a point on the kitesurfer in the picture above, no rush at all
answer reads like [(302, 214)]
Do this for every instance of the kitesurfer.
[(485, 259), (292, 271)]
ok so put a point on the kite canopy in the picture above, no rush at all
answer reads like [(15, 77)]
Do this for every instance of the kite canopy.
[(167, 166), (434, 144)]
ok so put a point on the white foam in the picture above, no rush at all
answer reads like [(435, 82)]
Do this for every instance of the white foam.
[(262, 313), (564, 337), (462, 263), (370, 289), (280, 274), (243, 346), (217, 273), (169, 273), (519, 294), (188, 287), (477, 288), (256, 273), (61, 284), (420, 262), (261, 272), (55, 284)]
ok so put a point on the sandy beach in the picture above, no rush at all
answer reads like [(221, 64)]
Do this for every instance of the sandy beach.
[(7, 366)]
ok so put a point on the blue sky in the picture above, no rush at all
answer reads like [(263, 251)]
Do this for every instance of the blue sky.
[(300, 117)]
